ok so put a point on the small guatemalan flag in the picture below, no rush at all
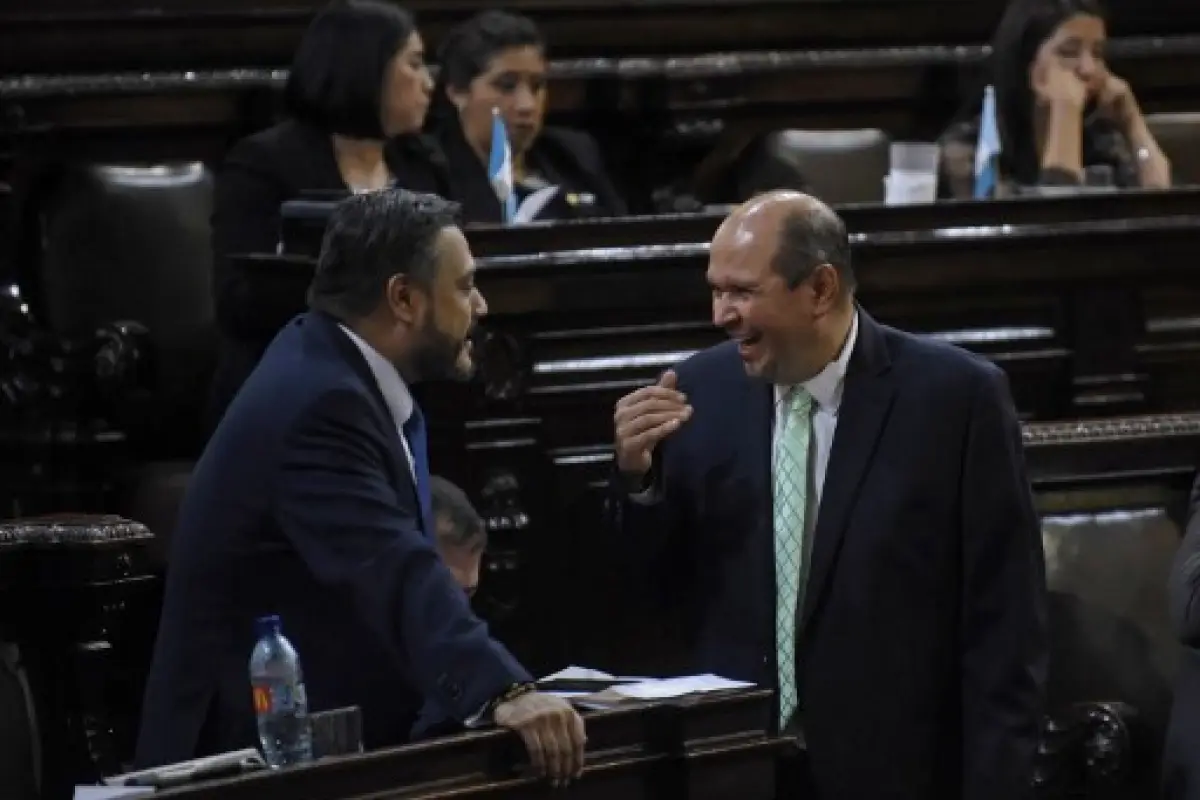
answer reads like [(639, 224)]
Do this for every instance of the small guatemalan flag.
[(500, 168), (987, 149)]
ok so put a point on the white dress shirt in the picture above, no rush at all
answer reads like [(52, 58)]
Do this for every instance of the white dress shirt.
[(826, 390), (395, 392)]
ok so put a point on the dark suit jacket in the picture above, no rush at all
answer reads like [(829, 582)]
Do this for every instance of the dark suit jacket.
[(564, 157), (259, 174), (1181, 757), (303, 505), (921, 652)]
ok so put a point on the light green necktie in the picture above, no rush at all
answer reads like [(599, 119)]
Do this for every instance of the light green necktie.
[(790, 502)]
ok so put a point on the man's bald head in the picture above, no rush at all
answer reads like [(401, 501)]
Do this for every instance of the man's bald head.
[(799, 231), (782, 286)]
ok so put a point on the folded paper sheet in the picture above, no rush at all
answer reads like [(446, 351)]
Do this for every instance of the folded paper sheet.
[(640, 689)]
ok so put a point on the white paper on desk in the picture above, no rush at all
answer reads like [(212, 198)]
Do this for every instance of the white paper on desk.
[(676, 687), (574, 673), (111, 792), (644, 689)]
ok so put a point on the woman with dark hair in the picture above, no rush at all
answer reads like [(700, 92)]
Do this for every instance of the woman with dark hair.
[(1059, 109), (356, 99), (495, 62)]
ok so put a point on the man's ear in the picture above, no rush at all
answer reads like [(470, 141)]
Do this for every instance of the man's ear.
[(826, 283), (406, 300)]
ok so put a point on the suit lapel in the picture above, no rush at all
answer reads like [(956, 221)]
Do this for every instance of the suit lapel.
[(353, 358), (755, 430), (866, 401), (758, 423)]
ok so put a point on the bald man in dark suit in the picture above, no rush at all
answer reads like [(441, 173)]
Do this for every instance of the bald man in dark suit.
[(851, 505)]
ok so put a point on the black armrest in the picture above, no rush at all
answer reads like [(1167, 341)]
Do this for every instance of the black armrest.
[(1090, 749)]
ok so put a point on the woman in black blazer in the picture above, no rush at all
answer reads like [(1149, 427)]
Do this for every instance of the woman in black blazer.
[(356, 99), (496, 62)]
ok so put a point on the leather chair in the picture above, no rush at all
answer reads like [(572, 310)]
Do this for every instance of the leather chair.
[(1178, 134), (838, 166), (132, 243), (1110, 635)]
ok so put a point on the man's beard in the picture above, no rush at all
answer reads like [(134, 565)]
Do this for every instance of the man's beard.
[(436, 357)]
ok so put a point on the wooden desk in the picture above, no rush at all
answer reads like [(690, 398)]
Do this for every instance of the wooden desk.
[(903, 89), (79, 597), (302, 235), (79, 35), (859, 218), (715, 747)]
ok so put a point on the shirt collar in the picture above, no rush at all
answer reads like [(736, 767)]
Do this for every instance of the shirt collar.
[(395, 393), (826, 386)]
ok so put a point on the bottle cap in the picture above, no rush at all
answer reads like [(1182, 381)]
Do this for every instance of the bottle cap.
[(267, 625)]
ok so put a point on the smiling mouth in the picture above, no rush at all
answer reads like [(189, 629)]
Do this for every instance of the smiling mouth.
[(746, 342)]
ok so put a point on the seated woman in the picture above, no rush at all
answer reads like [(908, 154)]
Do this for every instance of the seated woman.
[(497, 61), (1059, 109), (356, 99)]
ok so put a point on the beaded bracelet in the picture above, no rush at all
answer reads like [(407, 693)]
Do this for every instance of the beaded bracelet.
[(512, 693)]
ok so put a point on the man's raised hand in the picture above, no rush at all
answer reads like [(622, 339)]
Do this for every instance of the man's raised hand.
[(645, 417)]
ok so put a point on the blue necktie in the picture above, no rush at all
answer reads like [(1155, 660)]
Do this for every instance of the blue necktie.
[(418, 444)]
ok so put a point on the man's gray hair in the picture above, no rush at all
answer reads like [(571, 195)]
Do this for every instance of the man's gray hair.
[(810, 238)]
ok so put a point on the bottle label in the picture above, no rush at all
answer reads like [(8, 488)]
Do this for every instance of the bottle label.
[(262, 699), (279, 697)]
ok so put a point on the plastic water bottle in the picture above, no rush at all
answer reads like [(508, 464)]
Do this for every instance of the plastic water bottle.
[(280, 702)]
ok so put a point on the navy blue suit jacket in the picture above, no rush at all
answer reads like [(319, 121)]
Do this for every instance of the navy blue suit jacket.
[(303, 504), (921, 645)]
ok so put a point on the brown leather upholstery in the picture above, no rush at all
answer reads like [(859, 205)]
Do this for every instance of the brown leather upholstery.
[(1179, 137), (132, 243), (838, 166), (1110, 633)]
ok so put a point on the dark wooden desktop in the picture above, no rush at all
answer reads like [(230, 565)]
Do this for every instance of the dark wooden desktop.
[(716, 747)]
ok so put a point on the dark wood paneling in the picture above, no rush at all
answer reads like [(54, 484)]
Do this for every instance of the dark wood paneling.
[(87, 35)]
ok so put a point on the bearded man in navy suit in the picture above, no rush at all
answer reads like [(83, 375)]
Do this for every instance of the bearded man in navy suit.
[(850, 507), (312, 501)]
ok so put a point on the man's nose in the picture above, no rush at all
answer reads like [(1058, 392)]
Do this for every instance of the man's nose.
[(723, 313), (481, 306)]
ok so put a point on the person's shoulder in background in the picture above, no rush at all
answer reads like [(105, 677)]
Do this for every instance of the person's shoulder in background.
[(577, 156), (418, 163), (297, 154)]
